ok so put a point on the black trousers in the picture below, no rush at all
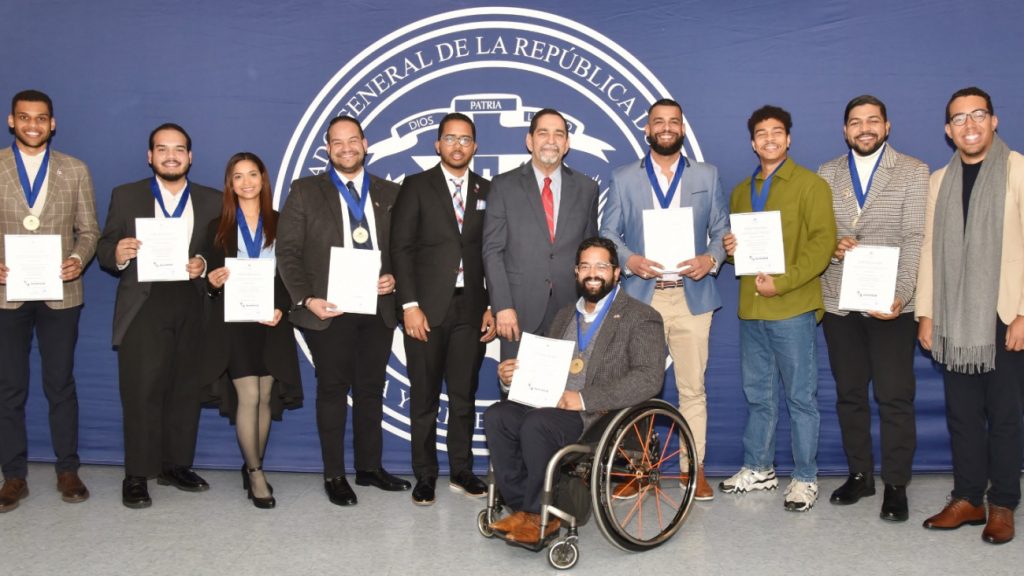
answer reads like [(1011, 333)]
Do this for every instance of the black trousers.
[(452, 353), (983, 413), (158, 362), (522, 440), (863, 350), (57, 334), (350, 354)]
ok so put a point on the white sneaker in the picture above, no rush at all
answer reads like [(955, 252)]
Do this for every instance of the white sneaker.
[(801, 496), (746, 480)]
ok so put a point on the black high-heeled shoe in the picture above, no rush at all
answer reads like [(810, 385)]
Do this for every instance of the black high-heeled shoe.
[(246, 481), (264, 503)]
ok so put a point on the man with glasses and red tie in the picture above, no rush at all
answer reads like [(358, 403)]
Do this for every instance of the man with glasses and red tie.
[(436, 235)]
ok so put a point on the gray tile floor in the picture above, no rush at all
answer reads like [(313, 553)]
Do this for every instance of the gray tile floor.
[(220, 533)]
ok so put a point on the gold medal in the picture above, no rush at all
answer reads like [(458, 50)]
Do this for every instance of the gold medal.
[(360, 235), (31, 223), (577, 365)]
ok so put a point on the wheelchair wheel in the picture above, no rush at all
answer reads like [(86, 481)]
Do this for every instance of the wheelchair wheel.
[(564, 554), (644, 476), (483, 523)]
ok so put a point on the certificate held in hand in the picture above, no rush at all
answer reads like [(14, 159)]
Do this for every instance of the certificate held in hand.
[(668, 236), (249, 291), (352, 281), (163, 255), (759, 246), (869, 279), (33, 262), (542, 372)]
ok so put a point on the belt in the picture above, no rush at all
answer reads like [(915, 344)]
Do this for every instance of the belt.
[(665, 285)]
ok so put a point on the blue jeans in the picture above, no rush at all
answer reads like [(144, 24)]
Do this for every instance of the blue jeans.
[(772, 350)]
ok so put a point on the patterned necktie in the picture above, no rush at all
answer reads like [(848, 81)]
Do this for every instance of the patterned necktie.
[(548, 199), (352, 190), (460, 208)]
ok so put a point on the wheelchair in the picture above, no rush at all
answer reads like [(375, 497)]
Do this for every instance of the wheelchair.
[(623, 471)]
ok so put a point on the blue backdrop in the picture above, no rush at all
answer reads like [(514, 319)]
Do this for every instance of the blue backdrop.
[(266, 75)]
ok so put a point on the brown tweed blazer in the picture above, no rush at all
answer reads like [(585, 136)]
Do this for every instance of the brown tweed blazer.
[(893, 215), (70, 210)]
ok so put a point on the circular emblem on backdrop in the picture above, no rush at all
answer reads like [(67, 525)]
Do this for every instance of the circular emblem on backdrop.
[(498, 66)]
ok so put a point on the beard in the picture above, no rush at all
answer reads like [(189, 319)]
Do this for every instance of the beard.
[(170, 176), (665, 150), (593, 296), (878, 144)]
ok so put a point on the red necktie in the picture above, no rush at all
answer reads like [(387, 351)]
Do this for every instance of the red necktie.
[(548, 199)]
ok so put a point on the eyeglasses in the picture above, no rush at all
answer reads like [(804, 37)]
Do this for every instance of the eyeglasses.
[(586, 267), (451, 139), (960, 119)]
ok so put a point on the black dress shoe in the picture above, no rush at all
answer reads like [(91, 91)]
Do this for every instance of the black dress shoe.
[(467, 483), (856, 487), (423, 493), (135, 492), (182, 478), (339, 492), (894, 504), (383, 480)]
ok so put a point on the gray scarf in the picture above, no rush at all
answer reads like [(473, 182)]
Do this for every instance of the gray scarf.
[(966, 281)]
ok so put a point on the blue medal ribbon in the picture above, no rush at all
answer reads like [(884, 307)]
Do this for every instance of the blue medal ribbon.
[(862, 195), (583, 340), (758, 201), (357, 209), (160, 199), (31, 190), (665, 199), (252, 243)]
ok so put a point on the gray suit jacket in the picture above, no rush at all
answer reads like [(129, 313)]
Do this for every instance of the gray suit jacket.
[(132, 201), (70, 210), (310, 224), (893, 215), (522, 266), (627, 365)]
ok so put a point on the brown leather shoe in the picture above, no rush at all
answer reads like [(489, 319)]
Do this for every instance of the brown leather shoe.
[(509, 523), (957, 512), (703, 490), (999, 529), (528, 532), (626, 490), (14, 491), (71, 487)]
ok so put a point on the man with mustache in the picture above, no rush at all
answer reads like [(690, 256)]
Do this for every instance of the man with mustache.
[(536, 216), (970, 307), (878, 197), (620, 362), (32, 176), (157, 325), (778, 313), (686, 300), (344, 206)]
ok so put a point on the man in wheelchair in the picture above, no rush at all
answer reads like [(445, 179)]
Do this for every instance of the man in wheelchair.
[(618, 361)]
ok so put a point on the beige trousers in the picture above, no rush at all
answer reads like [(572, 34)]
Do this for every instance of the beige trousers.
[(687, 339)]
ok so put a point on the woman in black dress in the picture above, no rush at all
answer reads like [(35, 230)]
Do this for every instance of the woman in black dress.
[(259, 358)]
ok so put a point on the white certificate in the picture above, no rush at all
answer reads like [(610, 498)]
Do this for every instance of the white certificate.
[(668, 237), (352, 282), (543, 370), (759, 246), (869, 278), (249, 291), (163, 255), (33, 262)]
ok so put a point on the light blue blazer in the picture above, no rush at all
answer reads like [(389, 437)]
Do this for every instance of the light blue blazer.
[(622, 222)]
